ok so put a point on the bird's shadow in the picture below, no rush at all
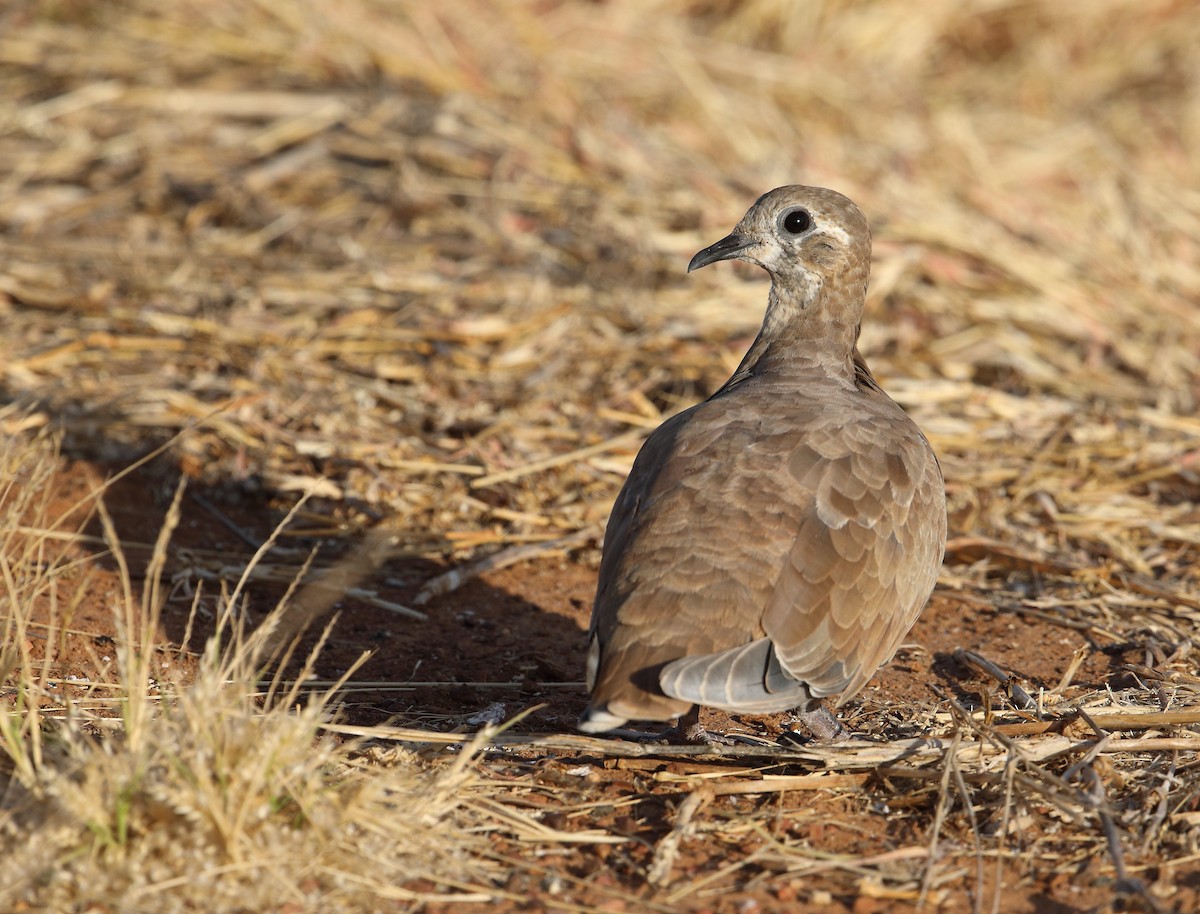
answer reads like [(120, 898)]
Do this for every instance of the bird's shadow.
[(482, 652)]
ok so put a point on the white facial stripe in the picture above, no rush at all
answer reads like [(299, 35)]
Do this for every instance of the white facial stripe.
[(834, 231)]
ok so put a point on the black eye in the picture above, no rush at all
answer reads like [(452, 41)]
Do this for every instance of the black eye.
[(797, 221)]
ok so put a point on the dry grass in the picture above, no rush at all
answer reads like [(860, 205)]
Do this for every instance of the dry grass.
[(218, 790), (425, 263)]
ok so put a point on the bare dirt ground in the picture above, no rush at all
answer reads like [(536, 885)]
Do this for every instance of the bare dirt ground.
[(513, 640), (423, 266)]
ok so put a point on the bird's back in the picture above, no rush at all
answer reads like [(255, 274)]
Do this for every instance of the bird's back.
[(806, 511)]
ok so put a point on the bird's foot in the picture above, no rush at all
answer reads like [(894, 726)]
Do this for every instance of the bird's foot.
[(821, 724), (687, 732), (674, 736), (690, 732), (698, 736)]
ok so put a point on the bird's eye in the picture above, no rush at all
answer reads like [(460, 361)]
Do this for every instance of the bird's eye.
[(797, 221)]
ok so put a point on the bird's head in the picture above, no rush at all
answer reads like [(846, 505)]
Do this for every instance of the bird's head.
[(808, 239)]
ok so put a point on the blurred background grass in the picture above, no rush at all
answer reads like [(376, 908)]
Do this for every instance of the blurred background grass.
[(395, 237)]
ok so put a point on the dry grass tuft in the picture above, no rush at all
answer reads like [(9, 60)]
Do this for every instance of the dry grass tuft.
[(219, 793)]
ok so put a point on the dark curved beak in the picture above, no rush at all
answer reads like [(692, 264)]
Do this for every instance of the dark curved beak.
[(725, 249)]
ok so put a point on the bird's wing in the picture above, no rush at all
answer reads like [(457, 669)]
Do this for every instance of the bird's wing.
[(688, 561), (683, 518), (866, 552)]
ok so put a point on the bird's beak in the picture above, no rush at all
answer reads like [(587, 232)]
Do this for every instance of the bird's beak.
[(725, 249)]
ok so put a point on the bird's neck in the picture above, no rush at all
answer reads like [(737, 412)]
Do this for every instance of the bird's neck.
[(810, 331)]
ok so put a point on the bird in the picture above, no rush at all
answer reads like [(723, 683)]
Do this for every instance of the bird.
[(773, 544)]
